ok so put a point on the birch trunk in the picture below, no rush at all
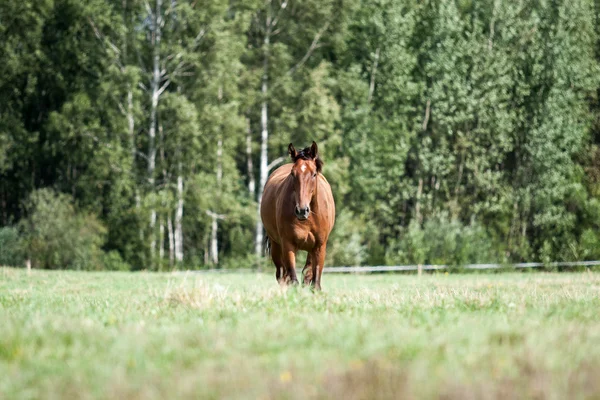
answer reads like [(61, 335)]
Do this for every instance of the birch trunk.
[(155, 83), (418, 215), (264, 137), (131, 123), (161, 241), (249, 166), (132, 150), (214, 245), (219, 162), (171, 240), (138, 207), (152, 236), (373, 73), (178, 219), (206, 252)]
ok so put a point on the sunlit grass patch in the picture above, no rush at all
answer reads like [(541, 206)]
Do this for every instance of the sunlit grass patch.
[(122, 335)]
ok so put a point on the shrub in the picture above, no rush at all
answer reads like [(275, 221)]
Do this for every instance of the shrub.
[(112, 261), (56, 236), (442, 240), (350, 240), (11, 247)]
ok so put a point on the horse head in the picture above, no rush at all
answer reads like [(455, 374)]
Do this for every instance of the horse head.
[(307, 165)]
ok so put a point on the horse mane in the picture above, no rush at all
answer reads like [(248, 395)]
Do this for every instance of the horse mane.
[(306, 154)]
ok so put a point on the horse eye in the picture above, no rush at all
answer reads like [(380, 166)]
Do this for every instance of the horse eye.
[(315, 175)]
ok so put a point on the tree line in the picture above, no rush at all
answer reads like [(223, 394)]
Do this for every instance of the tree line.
[(138, 134)]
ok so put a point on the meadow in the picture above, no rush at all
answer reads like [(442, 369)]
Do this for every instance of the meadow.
[(239, 335)]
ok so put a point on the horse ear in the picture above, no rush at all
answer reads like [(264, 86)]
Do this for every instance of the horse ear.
[(292, 151), (314, 149)]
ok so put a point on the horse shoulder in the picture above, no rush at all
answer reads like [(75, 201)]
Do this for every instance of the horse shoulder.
[(272, 198), (280, 174), (327, 198)]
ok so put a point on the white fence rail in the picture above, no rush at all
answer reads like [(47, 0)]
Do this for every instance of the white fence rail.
[(404, 268), (401, 268)]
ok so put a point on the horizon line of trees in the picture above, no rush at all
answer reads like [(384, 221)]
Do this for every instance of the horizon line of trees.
[(138, 134)]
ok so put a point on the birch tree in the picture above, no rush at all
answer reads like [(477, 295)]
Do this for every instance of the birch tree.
[(180, 35), (286, 38)]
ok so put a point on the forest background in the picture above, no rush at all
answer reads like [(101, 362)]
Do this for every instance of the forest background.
[(139, 134)]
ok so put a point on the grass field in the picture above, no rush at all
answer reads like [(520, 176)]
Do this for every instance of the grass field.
[(143, 335)]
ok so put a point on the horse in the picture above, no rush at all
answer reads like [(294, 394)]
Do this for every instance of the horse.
[(298, 213)]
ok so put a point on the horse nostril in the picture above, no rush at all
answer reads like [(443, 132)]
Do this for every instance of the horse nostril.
[(297, 209)]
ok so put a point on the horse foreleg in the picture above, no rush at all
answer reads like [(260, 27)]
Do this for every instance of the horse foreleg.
[(307, 271), (318, 261), (276, 256), (289, 263)]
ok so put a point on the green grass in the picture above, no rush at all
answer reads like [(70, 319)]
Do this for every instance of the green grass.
[(143, 335)]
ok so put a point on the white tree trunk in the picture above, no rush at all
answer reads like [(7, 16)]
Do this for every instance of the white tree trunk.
[(161, 239), (214, 245), (250, 167), (133, 151), (178, 219), (171, 240), (131, 123), (155, 94), (373, 73), (206, 252), (138, 207), (264, 140), (418, 215), (219, 162), (152, 236)]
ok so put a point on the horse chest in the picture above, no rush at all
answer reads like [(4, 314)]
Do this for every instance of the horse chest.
[(304, 237)]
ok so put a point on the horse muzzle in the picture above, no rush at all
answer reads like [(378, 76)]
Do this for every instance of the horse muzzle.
[(302, 213)]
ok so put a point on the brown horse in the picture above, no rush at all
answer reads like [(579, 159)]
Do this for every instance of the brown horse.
[(298, 213)]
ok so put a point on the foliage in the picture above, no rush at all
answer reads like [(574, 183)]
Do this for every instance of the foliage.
[(349, 243), (56, 236), (482, 117), (442, 240), (11, 247), (112, 261)]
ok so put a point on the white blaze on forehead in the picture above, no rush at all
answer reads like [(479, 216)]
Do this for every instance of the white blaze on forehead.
[(303, 168)]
